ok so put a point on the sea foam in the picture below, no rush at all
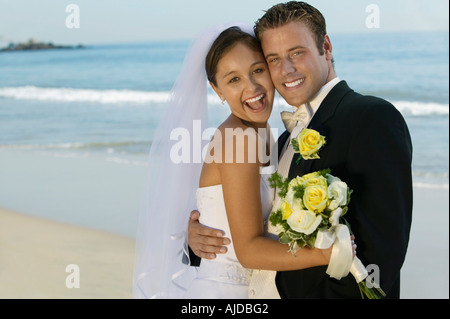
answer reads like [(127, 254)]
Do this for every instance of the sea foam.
[(148, 97)]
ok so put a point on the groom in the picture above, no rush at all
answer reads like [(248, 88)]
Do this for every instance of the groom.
[(368, 146)]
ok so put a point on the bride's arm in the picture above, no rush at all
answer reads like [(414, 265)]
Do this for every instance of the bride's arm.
[(241, 190)]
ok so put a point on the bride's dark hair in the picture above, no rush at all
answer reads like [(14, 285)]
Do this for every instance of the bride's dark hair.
[(223, 44)]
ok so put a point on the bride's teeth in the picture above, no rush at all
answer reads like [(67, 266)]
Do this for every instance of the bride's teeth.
[(255, 99), (292, 84)]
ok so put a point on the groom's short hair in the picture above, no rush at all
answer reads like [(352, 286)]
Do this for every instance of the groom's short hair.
[(293, 11)]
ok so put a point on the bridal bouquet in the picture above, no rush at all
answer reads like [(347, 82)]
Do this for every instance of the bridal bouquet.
[(309, 214)]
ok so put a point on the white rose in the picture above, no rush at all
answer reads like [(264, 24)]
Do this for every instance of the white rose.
[(332, 179), (334, 216), (294, 203), (337, 193), (304, 221)]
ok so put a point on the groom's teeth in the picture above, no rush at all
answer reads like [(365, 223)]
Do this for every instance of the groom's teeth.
[(255, 99), (292, 84)]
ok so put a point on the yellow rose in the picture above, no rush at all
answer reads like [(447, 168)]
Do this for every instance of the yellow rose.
[(315, 198), (316, 180), (310, 175), (305, 177), (309, 143), (285, 210), (295, 182)]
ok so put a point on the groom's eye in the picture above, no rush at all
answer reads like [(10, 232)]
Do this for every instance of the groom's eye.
[(296, 53)]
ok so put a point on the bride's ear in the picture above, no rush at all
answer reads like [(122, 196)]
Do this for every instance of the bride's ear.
[(218, 91)]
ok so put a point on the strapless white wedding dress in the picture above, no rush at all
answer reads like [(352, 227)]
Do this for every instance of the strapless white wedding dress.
[(224, 277)]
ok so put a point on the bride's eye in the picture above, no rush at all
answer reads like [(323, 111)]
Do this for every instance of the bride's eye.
[(259, 70), (234, 80)]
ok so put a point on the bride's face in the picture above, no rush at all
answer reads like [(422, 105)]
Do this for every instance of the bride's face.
[(243, 80)]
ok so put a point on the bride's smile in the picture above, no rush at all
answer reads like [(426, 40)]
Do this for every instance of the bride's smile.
[(256, 104)]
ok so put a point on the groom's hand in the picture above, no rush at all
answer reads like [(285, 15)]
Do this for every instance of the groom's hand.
[(204, 241)]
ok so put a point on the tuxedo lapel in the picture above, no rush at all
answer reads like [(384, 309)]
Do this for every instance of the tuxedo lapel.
[(282, 141), (325, 112), (329, 105)]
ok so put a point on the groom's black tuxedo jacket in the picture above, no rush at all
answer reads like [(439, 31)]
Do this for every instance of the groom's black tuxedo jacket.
[(369, 147)]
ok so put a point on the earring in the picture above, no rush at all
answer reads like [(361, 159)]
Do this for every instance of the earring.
[(223, 102)]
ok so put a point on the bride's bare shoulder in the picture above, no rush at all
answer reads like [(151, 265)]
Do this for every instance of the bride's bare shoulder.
[(238, 142)]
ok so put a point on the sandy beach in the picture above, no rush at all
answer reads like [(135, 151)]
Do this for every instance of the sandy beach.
[(35, 252)]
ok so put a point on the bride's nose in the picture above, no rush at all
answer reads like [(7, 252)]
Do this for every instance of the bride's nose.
[(251, 86)]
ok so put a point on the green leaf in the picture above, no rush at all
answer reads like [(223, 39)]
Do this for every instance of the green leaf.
[(284, 238), (295, 145), (293, 234), (349, 193), (276, 218), (301, 242), (276, 181), (348, 225), (324, 172), (344, 211), (299, 190)]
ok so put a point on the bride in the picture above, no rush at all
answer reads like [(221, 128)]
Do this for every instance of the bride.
[(230, 187)]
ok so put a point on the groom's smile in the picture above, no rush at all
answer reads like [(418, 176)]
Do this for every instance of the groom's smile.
[(294, 84)]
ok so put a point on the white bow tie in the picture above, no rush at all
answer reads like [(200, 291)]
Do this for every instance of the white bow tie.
[(290, 119)]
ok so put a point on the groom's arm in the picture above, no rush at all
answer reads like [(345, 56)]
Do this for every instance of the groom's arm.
[(204, 242)]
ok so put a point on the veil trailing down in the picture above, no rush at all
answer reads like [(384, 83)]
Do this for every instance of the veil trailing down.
[(159, 270)]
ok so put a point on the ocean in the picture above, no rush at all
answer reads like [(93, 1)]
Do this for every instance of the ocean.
[(104, 101)]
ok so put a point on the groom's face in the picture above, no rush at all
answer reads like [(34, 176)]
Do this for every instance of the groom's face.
[(297, 69)]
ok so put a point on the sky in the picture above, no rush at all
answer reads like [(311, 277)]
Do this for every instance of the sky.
[(126, 21)]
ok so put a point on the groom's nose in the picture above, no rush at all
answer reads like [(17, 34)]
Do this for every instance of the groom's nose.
[(287, 66)]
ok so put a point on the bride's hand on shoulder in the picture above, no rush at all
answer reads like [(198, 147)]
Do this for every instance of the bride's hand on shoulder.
[(204, 241)]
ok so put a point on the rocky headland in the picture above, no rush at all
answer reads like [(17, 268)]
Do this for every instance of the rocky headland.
[(33, 45)]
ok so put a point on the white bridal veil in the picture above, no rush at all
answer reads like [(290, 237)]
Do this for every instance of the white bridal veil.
[(170, 191)]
